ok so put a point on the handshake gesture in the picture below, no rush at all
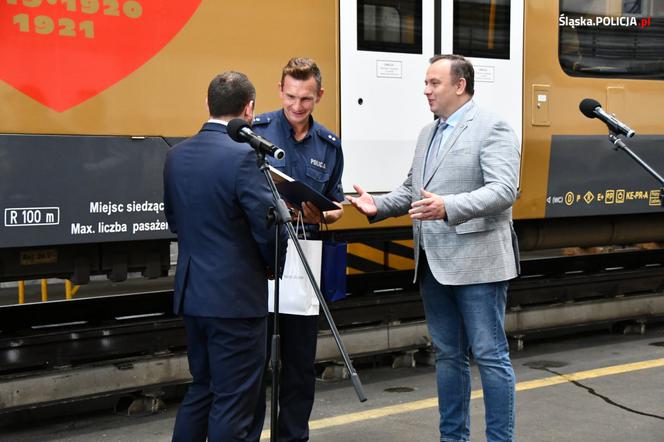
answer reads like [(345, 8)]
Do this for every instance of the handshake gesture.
[(430, 207)]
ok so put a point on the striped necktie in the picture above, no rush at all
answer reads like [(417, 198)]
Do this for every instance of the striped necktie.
[(434, 149)]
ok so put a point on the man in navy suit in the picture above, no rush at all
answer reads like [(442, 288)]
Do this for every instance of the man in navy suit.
[(216, 200)]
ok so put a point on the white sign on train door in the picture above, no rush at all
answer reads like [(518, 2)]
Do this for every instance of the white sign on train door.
[(385, 47)]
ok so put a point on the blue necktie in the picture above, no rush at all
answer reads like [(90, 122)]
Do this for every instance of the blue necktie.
[(434, 149)]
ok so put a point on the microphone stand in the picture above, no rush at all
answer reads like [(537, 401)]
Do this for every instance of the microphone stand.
[(619, 144), (280, 215)]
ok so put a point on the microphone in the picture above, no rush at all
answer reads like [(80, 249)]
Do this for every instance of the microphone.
[(592, 109), (239, 131)]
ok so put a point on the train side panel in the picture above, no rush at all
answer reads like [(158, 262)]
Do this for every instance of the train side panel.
[(569, 168), (93, 95)]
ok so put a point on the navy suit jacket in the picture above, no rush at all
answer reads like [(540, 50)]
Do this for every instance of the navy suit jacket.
[(216, 201)]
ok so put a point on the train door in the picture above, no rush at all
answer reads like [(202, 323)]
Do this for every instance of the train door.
[(385, 46), (490, 34)]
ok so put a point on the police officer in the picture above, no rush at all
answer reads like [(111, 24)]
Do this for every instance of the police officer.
[(313, 156)]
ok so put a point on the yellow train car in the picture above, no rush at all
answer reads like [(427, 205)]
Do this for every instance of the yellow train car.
[(97, 81), (534, 66), (93, 93)]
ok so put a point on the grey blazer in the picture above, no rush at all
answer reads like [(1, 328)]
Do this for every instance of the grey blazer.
[(476, 174)]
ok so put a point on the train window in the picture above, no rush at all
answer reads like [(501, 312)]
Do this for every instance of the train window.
[(482, 28), (617, 39), (389, 26)]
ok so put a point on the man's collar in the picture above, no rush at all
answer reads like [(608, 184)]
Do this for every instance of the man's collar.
[(217, 121), (289, 128), (458, 114)]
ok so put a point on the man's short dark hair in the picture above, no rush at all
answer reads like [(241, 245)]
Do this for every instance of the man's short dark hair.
[(460, 68), (229, 93), (301, 68)]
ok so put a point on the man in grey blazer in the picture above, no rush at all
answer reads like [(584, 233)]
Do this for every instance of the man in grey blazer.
[(459, 192)]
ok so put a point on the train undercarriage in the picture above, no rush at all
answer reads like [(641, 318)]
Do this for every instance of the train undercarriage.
[(126, 339)]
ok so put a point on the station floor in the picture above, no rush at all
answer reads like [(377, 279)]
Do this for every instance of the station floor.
[(590, 386)]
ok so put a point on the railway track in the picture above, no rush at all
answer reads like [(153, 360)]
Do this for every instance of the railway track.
[(60, 350)]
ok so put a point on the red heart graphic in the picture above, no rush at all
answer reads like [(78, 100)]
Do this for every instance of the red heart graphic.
[(63, 52)]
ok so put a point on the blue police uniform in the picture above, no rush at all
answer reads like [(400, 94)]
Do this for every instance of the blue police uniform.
[(316, 160)]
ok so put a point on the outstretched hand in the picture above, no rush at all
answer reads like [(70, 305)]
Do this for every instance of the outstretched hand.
[(430, 207), (363, 202)]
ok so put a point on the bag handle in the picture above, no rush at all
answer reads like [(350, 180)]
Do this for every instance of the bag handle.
[(300, 222)]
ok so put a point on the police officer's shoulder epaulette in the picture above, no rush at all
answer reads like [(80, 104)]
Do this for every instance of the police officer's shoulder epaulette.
[(328, 136), (262, 120)]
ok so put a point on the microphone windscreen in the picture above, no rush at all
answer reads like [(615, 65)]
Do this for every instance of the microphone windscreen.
[(234, 127), (588, 106)]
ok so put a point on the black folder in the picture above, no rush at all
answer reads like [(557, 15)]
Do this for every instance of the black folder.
[(297, 192)]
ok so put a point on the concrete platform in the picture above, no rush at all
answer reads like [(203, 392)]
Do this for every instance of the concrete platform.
[(597, 386)]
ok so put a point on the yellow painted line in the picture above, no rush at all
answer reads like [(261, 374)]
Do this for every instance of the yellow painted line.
[(590, 374), (407, 407), (21, 292), (44, 290)]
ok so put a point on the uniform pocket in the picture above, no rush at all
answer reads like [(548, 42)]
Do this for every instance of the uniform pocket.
[(316, 174)]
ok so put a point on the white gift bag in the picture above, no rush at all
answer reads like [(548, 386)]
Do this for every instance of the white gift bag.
[(296, 295)]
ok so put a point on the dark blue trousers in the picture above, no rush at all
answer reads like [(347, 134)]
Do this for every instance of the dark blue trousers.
[(297, 385), (226, 360)]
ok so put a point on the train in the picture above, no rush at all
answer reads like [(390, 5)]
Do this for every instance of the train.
[(93, 93)]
